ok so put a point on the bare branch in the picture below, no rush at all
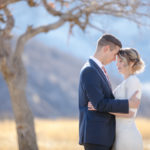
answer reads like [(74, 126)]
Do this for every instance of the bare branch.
[(79, 14), (2, 18), (97, 28), (4, 3), (9, 22), (32, 3), (126, 9), (50, 9), (31, 33)]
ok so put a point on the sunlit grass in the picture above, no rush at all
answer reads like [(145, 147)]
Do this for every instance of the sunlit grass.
[(144, 126), (58, 134)]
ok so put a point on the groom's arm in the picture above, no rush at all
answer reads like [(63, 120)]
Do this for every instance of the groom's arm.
[(129, 115), (93, 87)]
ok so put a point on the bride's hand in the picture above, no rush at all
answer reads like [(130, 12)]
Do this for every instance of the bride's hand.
[(134, 102), (130, 114), (91, 107)]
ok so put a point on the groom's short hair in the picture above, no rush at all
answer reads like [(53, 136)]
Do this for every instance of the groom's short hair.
[(108, 39)]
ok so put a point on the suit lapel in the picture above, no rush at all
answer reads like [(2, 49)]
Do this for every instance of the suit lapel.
[(100, 72)]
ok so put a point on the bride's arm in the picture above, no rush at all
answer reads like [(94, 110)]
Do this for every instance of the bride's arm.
[(131, 86), (129, 115)]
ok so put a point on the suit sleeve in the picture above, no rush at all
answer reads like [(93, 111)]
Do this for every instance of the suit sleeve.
[(95, 93)]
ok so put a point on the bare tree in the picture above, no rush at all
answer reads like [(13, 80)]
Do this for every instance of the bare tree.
[(77, 13)]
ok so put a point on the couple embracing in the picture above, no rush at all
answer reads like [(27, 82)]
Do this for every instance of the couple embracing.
[(106, 117)]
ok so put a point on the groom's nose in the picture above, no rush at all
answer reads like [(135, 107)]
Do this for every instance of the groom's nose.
[(117, 64)]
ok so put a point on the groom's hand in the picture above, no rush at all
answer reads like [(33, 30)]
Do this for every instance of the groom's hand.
[(134, 102), (91, 107)]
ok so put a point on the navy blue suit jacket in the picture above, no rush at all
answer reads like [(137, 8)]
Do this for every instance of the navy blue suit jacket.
[(97, 127)]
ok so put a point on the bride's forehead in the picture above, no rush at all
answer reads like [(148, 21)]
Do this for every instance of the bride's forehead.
[(119, 59)]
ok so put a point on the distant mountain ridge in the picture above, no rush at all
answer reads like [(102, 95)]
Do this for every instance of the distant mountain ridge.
[(52, 88)]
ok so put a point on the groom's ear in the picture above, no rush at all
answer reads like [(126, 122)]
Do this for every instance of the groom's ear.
[(106, 48)]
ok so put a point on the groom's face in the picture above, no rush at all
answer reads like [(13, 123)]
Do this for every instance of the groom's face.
[(111, 54)]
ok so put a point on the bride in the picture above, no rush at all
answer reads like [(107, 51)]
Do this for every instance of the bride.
[(129, 64)]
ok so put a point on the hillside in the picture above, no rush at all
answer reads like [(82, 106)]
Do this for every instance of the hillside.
[(53, 84)]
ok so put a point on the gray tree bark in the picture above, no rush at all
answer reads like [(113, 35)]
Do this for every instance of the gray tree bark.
[(23, 115), (14, 73)]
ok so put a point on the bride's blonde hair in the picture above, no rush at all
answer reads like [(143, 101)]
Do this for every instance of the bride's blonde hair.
[(131, 55)]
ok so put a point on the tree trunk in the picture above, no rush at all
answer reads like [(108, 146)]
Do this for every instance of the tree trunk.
[(23, 116), (24, 119)]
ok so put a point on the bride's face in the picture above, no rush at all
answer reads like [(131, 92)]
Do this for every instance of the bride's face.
[(122, 66)]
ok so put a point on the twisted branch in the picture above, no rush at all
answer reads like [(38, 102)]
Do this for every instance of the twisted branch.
[(31, 32)]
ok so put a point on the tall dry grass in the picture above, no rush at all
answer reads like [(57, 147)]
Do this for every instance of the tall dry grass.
[(58, 134)]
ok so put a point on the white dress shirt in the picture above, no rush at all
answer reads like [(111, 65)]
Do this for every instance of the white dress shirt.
[(102, 68), (97, 62)]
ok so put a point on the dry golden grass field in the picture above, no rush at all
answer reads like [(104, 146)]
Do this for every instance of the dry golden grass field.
[(58, 134)]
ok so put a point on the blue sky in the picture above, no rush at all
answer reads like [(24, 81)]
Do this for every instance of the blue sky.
[(82, 44)]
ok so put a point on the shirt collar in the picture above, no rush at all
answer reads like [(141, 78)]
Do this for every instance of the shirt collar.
[(96, 61)]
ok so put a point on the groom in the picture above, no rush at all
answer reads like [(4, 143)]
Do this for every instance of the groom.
[(97, 128)]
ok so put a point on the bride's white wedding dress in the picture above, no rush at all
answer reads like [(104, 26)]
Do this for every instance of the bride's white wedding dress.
[(127, 134)]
